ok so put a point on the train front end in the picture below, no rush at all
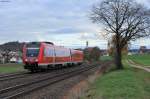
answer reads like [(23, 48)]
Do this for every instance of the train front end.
[(31, 56)]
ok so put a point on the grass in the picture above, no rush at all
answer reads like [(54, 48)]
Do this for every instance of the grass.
[(106, 58), (129, 83), (11, 67), (141, 59)]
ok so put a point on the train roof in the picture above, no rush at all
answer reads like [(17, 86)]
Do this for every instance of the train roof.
[(49, 43), (40, 42), (37, 44)]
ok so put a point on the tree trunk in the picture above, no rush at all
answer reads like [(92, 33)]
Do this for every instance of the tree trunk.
[(118, 58)]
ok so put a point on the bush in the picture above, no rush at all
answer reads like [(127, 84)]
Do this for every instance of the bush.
[(92, 54)]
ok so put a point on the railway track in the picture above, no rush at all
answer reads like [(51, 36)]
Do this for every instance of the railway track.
[(21, 89), (13, 76), (34, 76)]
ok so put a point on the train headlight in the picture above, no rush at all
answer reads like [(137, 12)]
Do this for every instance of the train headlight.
[(36, 60), (26, 60)]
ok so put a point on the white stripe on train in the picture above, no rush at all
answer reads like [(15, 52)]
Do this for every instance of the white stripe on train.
[(63, 63)]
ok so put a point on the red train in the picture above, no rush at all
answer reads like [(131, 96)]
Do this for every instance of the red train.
[(39, 55)]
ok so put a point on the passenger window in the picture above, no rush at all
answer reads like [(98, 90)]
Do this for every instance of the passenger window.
[(48, 52)]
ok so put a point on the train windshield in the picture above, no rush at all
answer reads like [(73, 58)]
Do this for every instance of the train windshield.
[(32, 52)]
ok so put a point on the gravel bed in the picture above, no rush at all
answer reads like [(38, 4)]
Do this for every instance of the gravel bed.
[(31, 77), (57, 91)]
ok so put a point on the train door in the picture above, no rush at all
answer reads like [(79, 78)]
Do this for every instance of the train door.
[(49, 56)]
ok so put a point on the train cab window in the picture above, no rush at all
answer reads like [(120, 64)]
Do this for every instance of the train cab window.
[(32, 52)]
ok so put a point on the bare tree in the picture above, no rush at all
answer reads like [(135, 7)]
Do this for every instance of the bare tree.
[(125, 19)]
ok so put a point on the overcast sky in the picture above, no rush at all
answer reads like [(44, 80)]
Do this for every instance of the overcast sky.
[(64, 22)]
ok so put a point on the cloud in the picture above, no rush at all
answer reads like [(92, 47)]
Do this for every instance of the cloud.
[(145, 2), (29, 16), (62, 22)]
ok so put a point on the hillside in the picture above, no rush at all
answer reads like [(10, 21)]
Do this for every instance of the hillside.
[(11, 46)]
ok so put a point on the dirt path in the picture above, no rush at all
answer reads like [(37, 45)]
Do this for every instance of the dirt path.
[(133, 64)]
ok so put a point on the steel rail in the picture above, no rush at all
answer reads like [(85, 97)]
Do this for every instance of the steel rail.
[(13, 74), (14, 77)]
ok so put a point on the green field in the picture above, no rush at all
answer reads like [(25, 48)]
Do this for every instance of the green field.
[(106, 58), (11, 67), (141, 59), (122, 84)]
